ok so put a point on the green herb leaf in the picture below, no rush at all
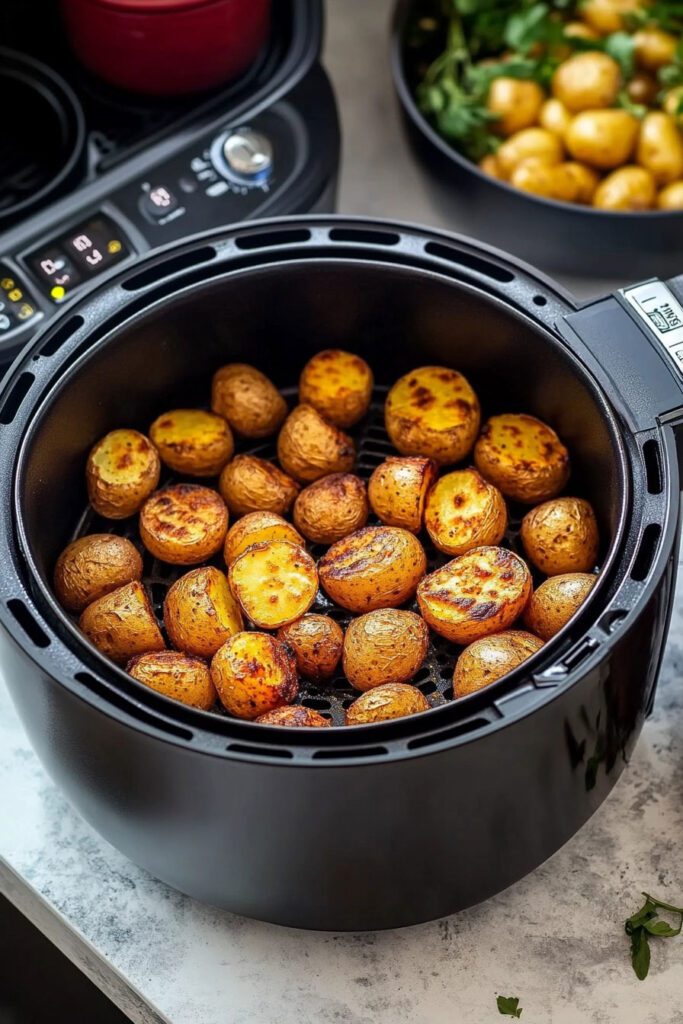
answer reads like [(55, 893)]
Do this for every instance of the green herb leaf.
[(621, 47), (509, 1006), (661, 928), (640, 953), (525, 29)]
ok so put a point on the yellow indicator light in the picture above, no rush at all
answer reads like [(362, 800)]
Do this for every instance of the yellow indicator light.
[(25, 311), (7, 283), (114, 246), (58, 292), (15, 295)]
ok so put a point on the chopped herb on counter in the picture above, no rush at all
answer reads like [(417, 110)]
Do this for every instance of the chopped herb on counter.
[(646, 922), (509, 1006)]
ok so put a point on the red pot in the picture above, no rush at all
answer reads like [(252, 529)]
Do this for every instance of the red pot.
[(167, 47)]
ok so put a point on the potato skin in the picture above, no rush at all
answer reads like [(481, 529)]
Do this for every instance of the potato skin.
[(387, 645), (192, 441), (184, 524), (464, 511), (602, 138), (607, 16), (432, 412), (523, 457), (275, 583), (249, 484), (93, 566), (516, 103), (586, 81), (331, 508), (254, 673), (393, 700), (122, 471), (529, 144), (177, 676), (297, 717), (491, 658), (585, 178), (554, 603), (200, 612), (552, 181), (554, 117), (338, 384), (660, 147), (122, 624), (628, 188), (398, 490), (309, 447), (475, 595), (561, 536), (654, 48), (377, 567), (316, 642), (671, 197), (256, 528), (247, 399)]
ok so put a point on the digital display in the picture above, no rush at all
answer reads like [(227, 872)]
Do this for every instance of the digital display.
[(86, 251)]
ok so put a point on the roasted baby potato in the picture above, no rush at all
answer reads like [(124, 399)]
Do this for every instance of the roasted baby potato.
[(297, 717), (122, 623), (377, 567), (554, 603), (586, 81), (643, 88), (492, 657), (585, 179), (523, 457), (275, 583), (475, 595), (175, 675), (554, 117), (561, 536), (464, 511), (249, 484), (671, 197), (654, 48), (529, 144), (184, 524), (255, 528), (122, 471), (331, 508), (245, 397), (607, 16), (338, 384), (553, 181), (93, 566), (515, 102), (254, 673), (628, 188), (192, 441), (309, 447), (489, 165), (602, 138), (387, 645), (200, 612), (316, 641), (398, 490), (432, 412), (393, 700), (660, 147)]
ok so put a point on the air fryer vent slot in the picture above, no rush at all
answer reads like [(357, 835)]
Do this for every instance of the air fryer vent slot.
[(466, 259), (653, 466), (16, 397), (448, 734), (28, 623), (112, 696), (174, 265), (268, 239), (62, 334), (348, 753), (364, 235), (245, 748), (646, 552)]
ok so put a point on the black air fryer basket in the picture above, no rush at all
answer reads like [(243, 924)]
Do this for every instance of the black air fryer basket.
[(378, 825)]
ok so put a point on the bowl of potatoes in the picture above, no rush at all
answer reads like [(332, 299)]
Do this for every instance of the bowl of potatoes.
[(303, 514)]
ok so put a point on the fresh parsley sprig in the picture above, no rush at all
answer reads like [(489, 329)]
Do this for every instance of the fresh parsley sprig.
[(645, 923)]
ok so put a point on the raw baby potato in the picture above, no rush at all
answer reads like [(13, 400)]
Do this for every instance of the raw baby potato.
[(338, 384), (93, 566), (275, 582), (200, 612), (586, 81), (671, 197), (177, 676), (554, 117), (377, 567), (523, 457), (607, 16), (316, 642), (553, 181), (331, 508), (515, 102), (250, 402), (660, 147), (554, 603), (654, 48), (122, 624), (192, 441), (309, 446), (529, 144), (628, 188), (249, 484), (492, 657), (398, 490), (602, 138), (254, 673), (184, 524), (256, 528), (388, 645), (464, 511), (122, 471), (294, 718), (393, 700), (561, 536), (434, 413)]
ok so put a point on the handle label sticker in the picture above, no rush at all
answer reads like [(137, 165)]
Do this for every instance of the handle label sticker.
[(662, 314)]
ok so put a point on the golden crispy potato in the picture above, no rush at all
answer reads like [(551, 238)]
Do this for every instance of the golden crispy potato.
[(579, 30), (671, 197), (388, 645), (184, 524), (93, 566), (628, 188), (398, 490), (654, 48), (309, 447), (256, 528), (245, 397), (122, 623), (393, 700), (585, 179), (249, 484), (607, 16), (464, 511), (523, 457), (515, 102), (377, 567), (586, 81), (489, 165), (254, 673), (192, 441), (177, 676), (561, 536), (554, 603), (331, 508), (275, 583), (122, 471), (643, 88), (552, 181), (554, 117), (338, 384), (475, 595), (660, 147), (200, 612), (295, 718), (673, 104), (316, 641), (529, 144), (602, 138), (492, 657), (432, 412)]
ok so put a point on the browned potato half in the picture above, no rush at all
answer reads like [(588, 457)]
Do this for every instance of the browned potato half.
[(433, 412), (492, 657), (192, 441), (309, 447), (254, 673), (200, 612), (338, 384), (554, 603), (184, 524), (464, 511), (245, 397), (516, 104), (475, 595), (377, 567), (523, 457), (249, 484), (176, 675), (93, 566), (331, 508), (561, 536), (256, 528), (388, 645), (294, 718), (275, 582), (316, 641), (393, 700), (122, 623), (586, 81), (398, 490), (122, 471)]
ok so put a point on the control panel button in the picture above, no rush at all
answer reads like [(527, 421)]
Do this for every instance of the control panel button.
[(17, 305), (159, 201), (248, 155), (89, 249)]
